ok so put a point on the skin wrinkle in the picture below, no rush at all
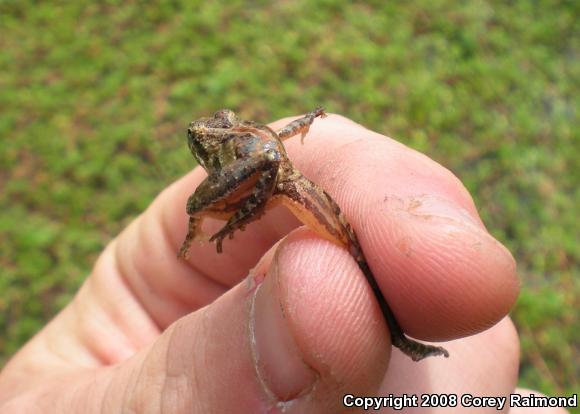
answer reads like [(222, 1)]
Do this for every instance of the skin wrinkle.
[(77, 337), (26, 375), (132, 383), (202, 331), (155, 298), (119, 345), (128, 399), (147, 392), (163, 291), (118, 316), (170, 378), (86, 342), (174, 388), (196, 378), (106, 401), (95, 384), (198, 274), (111, 388), (56, 360), (119, 269), (88, 382), (173, 246)]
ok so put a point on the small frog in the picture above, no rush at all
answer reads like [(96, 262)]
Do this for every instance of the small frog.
[(248, 172)]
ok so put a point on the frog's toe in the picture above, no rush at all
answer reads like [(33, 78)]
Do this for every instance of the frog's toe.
[(183, 251), (218, 242), (219, 237), (218, 245)]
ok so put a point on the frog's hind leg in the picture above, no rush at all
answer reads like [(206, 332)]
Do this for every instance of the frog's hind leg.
[(253, 207), (214, 190), (301, 125), (315, 208), (193, 231)]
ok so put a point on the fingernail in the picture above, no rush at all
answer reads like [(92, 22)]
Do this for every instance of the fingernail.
[(279, 362)]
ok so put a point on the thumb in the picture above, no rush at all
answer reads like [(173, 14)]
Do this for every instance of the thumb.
[(296, 336)]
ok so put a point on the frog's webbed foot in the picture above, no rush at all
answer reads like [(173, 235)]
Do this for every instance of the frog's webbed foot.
[(301, 125), (416, 350)]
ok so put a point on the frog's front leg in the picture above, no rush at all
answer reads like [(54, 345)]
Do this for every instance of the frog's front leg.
[(301, 125), (214, 190), (315, 208), (253, 206)]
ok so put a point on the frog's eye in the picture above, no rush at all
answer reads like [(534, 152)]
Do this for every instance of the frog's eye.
[(222, 114), (226, 115)]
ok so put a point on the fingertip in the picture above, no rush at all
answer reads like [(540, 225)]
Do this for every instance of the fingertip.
[(448, 277)]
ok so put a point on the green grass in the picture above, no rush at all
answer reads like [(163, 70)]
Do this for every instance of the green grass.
[(94, 100)]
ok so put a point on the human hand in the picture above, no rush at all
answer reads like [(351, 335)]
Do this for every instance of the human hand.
[(150, 333)]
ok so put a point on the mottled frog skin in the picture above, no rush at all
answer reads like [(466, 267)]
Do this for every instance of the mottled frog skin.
[(248, 172)]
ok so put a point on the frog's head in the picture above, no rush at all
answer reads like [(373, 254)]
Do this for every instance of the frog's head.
[(205, 135)]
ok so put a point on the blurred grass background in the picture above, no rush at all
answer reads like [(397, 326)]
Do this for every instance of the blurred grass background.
[(94, 100)]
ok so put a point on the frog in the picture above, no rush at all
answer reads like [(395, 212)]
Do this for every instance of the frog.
[(249, 172)]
